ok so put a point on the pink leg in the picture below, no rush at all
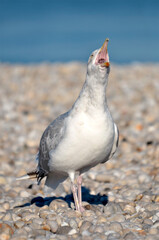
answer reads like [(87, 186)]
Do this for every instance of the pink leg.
[(79, 183), (74, 191)]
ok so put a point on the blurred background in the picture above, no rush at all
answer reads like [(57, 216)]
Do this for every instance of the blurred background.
[(36, 31)]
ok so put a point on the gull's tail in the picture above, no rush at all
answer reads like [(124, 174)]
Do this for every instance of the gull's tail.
[(52, 180), (36, 174), (30, 175)]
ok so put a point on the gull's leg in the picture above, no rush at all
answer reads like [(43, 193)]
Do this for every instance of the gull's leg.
[(74, 190), (79, 184)]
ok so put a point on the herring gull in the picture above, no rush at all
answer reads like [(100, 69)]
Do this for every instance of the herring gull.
[(84, 136)]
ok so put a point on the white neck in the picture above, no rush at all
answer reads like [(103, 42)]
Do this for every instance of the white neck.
[(92, 96)]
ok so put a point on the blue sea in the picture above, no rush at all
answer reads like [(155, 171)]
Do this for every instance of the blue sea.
[(35, 31)]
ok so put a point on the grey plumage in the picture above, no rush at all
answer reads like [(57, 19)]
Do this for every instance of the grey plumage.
[(116, 141), (50, 139)]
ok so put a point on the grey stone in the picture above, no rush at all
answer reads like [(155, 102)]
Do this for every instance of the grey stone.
[(19, 224), (85, 226), (73, 224), (113, 236), (53, 226), (112, 208), (116, 226), (117, 218), (64, 230), (130, 236)]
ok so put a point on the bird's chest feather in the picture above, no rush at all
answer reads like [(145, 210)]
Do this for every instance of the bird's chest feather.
[(88, 141), (90, 130)]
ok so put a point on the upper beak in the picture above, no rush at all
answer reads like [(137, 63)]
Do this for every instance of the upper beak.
[(103, 57)]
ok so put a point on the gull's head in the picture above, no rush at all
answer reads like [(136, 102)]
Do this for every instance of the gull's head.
[(98, 63)]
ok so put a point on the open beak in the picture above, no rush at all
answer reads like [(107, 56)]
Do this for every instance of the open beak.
[(103, 57)]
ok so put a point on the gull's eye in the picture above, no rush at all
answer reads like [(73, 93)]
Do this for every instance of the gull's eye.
[(91, 56)]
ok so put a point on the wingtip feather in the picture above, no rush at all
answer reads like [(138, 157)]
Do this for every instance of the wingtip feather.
[(23, 177), (30, 175)]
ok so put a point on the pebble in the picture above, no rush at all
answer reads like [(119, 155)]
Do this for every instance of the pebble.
[(6, 231), (15, 217), (117, 218), (120, 197), (154, 231), (92, 228), (53, 226), (152, 207), (36, 226), (148, 221), (24, 194), (2, 210), (7, 217), (20, 234), (72, 231), (46, 227), (103, 178), (86, 233), (112, 208), (73, 224), (157, 198), (129, 209), (2, 180), (88, 213), (62, 230), (99, 229), (56, 204), (113, 236), (28, 217), (6, 205), (85, 225), (156, 224), (144, 178), (101, 219), (116, 226), (44, 214), (154, 218), (151, 237), (130, 236), (19, 224)]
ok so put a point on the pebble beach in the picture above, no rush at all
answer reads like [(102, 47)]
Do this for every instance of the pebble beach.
[(121, 197)]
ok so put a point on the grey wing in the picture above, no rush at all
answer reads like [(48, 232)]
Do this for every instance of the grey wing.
[(49, 141), (116, 141)]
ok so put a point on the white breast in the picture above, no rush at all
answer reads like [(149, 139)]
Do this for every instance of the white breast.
[(88, 142)]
